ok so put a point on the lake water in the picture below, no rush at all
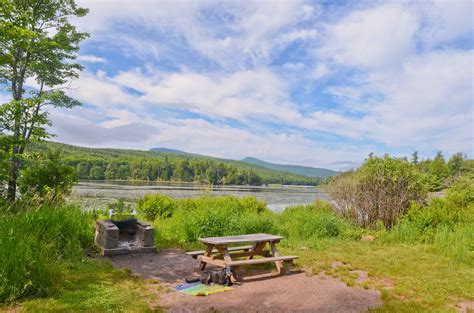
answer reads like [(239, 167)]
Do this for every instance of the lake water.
[(277, 197)]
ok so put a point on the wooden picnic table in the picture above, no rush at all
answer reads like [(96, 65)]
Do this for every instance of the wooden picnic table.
[(220, 252)]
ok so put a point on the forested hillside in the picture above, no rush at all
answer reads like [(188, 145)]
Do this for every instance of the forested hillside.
[(295, 169), (121, 164)]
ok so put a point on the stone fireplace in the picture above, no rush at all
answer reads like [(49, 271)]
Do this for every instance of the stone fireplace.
[(124, 237)]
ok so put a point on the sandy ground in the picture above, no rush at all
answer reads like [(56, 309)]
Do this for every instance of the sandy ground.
[(259, 290)]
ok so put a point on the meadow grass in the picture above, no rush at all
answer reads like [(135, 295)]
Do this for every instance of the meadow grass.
[(411, 277), (94, 286), (33, 243), (424, 263)]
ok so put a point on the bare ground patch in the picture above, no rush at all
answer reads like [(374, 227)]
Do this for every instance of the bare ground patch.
[(260, 290)]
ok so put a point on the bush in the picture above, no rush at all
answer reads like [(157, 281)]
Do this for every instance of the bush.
[(381, 189), (314, 221), (446, 223), (156, 206), (213, 216), (225, 216), (120, 210), (33, 244), (47, 176)]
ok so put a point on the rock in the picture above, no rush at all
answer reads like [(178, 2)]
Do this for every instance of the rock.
[(367, 238)]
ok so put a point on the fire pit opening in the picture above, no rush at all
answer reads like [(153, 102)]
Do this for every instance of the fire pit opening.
[(124, 237)]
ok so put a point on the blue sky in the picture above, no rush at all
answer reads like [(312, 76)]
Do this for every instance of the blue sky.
[(311, 83)]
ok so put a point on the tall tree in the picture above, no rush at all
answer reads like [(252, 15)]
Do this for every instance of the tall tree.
[(414, 158), (38, 45)]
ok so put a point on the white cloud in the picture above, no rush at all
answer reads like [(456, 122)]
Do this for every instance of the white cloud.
[(371, 38), (319, 71), (293, 66), (99, 90), (394, 72), (446, 21), (91, 58), (230, 33), (422, 104), (241, 95)]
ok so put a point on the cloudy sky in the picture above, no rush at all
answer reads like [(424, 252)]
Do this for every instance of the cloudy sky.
[(313, 83)]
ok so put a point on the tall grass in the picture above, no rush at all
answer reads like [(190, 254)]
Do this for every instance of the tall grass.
[(446, 224), (32, 245), (223, 216), (210, 216)]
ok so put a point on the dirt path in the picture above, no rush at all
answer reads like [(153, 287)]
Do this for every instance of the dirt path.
[(259, 291)]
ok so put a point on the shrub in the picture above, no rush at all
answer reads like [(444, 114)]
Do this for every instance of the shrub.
[(156, 206), (446, 223), (314, 221), (47, 176), (381, 189), (120, 210), (213, 216), (32, 245)]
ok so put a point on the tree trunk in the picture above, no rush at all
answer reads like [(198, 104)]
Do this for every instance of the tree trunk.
[(12, 179)]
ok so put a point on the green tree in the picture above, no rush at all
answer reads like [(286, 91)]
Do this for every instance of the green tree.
[(111, 171), (123, 172), (456, 164), (97, 172), (381, 189), (37, 42), (83, 169), (414, 158), (47, 174)]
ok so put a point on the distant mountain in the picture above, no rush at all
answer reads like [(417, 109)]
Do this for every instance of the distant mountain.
[(174, 151), (294, 169)]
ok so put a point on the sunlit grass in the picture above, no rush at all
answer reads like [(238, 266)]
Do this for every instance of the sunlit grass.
[(412, 278), (94, 286)]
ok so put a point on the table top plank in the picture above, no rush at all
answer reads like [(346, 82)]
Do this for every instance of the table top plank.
[(227, 240)]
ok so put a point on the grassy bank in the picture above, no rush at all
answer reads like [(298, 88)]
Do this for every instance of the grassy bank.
[(43, 264), (424, 263)]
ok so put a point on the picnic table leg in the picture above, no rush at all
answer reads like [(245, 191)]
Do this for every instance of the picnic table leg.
[(226, 256), (257, 247), (202, 264), (279, 264)]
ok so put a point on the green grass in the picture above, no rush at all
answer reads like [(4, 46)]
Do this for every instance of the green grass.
[(94, 286), (425, 263), (35, 243), (412, 278)]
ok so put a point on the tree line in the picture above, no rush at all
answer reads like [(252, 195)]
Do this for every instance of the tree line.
[(165, 170)]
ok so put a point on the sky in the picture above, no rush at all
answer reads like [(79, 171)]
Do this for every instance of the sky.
[(313, 83)]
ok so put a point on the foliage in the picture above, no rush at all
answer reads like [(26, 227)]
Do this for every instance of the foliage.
[(47, 175), (117, 164), (446, 223), (156, 206), (212, 216), (120, 210), (442, 174), (223, 216), (313, 222), (40, 44), (381, 189), (33, 244)]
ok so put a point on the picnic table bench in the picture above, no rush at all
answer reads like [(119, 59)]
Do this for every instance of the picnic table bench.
[(220, 253)]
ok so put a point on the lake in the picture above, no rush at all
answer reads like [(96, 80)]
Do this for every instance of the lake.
[(93, 193)]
